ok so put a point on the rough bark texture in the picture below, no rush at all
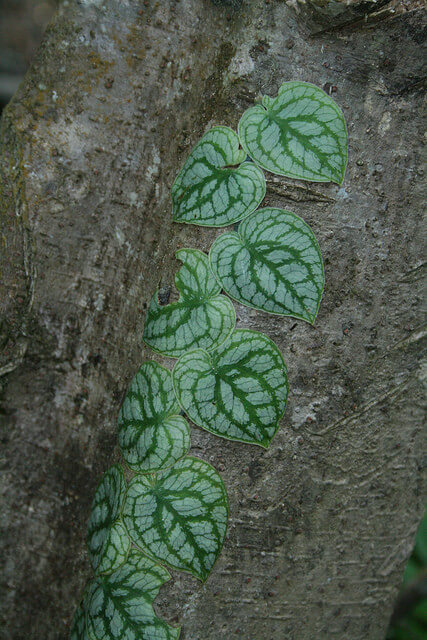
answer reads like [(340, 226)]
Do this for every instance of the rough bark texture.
[(322, 523)]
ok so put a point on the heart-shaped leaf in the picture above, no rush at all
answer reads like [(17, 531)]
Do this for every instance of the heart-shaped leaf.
[(152, 435), (239, 391), (201, 318), (273, 263), (301, 134), (179, 517), (107, 539), (119, 605), (212, 189)]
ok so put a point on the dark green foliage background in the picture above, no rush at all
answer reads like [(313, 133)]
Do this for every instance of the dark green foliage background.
[(413, 624)]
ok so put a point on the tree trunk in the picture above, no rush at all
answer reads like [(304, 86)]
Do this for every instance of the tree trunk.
[(322, 523)]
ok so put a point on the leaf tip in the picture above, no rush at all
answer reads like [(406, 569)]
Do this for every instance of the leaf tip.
[(203, 576), (339, 179)]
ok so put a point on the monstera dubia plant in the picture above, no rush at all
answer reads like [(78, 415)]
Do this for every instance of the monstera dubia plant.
[(167, 507)]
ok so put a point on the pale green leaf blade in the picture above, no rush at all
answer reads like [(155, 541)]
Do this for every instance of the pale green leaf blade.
[(238, 391), (107, 539), (301, 134), (273, 263), (152, 435), (119, 605), (201, 318), (180, 517), (213, 188), (78, 625)]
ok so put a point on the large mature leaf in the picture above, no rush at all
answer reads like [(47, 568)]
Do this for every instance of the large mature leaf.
[(107, 539), (119, 606), (201, 318), (179, 517), (239, 391), (273, 263), (301, 133), (152, 435), (211, 190)]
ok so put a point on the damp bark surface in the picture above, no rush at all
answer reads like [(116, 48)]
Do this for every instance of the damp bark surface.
[(321, 524)]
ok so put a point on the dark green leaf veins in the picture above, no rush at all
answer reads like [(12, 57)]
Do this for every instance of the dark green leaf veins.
[(152, 435), (273, 263), (301, 134), (201, 318), (216, 187), (239, 391)]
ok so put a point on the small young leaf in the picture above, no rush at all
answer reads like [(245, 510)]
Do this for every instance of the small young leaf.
[(119, 606), (273, 263), (78, 625), (211, 189), (179, 517), (200, 318), (152, 435), (107, 539), (239, 391), (301, 134)]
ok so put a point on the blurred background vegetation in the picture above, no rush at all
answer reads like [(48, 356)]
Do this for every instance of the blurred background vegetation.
[(22, 24), (409, 619)]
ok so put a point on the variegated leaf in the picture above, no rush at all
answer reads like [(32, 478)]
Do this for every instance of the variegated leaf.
[(239, 391), (119, 605), (213, 188), (272, 263), (107, 539), (152, 435), (200, 318), (301, 134), (179, 517)]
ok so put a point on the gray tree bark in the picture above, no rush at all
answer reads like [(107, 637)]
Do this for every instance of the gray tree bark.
[(322, 523)]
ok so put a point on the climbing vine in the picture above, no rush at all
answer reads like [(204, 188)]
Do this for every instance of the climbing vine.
[(232, 382)]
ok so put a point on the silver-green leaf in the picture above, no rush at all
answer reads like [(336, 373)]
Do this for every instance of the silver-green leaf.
[(272, 263), (152, 434), (239, 391), (119, 605), (179, 517), (201, 318), (216, 187), (107, 539), (301, 134)]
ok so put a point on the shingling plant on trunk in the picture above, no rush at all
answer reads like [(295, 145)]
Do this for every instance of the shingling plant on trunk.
[(231, 382)]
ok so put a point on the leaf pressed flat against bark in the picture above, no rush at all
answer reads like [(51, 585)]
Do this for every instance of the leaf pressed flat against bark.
[(272, 263), (179, 517), (107, 540), (239, 391), (216, 187), (301, 134), (119, 606), (152, 435), (201, 318)]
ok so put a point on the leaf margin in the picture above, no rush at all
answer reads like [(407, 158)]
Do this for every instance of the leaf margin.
[(250, 306), (219, 294), (227, 506), (257, 444), (88, 594), (243, 162), (264, 103), (172, 415), (118, 520)]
